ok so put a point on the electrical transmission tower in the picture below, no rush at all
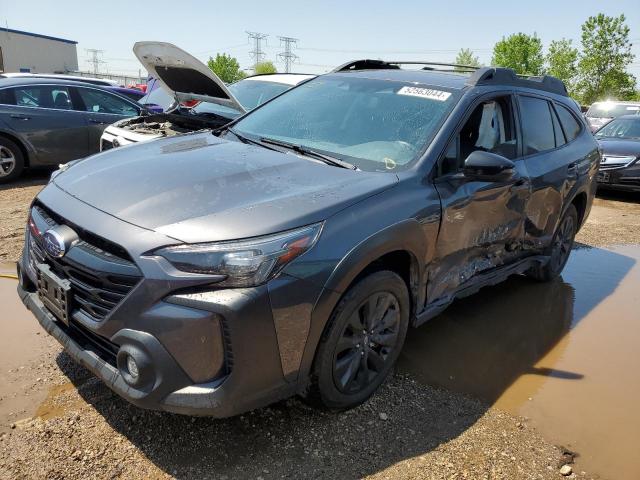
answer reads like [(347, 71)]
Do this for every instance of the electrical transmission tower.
[(257, 54), (287, 56), (95, 59)]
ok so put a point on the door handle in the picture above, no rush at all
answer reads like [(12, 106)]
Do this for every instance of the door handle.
[(18, 116), (98, 122)]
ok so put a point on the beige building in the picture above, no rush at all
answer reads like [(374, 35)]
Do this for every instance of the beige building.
[(35, 53)]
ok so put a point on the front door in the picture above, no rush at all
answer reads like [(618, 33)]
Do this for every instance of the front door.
[(43, 115), (482, 225)]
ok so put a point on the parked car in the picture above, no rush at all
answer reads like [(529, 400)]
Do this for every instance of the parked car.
[(48, 122), (600, 113), (620, 143), (103, 82), (215, 103), (288, 252)]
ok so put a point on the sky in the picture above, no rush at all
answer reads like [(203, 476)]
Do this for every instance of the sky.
[(329, 32)]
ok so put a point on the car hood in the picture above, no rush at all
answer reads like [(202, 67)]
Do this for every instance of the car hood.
[(199, 188), (620, 146), (182, 75)]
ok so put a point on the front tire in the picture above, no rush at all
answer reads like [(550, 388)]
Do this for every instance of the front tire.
[(11, 160), (560, 248), (366, 333)]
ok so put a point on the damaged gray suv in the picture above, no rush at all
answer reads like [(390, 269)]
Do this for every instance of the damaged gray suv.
[(290, 251)]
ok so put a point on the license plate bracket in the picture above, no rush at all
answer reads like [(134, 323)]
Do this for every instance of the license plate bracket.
[(54, 292)]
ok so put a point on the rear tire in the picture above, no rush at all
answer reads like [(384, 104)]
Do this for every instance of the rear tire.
[(560, 248), (11, 160), (365, 335)]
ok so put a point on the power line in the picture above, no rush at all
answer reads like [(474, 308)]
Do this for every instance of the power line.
[(287, 56), (95, 59), (257, 54)]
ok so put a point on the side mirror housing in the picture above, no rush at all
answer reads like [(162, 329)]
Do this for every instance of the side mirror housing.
[(481, 165)]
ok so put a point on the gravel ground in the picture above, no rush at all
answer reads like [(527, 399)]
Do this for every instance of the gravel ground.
[(406, 430)]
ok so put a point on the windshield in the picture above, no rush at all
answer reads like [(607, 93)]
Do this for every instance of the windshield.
[(374, 124), (250, 94), (611, 110), (620, 128), (157, 96)]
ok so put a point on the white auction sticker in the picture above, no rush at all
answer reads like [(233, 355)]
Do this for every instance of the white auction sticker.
[(429, 93)]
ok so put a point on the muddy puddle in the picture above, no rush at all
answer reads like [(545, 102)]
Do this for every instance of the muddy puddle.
[(565, 355), (23, 345)]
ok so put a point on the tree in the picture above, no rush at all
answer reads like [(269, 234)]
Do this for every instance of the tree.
[(466, 57), (562, 62), (606, 54), (521, 52), (226, 67), (265, 67)]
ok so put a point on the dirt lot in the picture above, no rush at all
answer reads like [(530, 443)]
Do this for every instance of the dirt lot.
[(57, 421)]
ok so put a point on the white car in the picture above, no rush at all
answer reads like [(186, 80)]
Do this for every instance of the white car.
[(184, 78), (601, 113)]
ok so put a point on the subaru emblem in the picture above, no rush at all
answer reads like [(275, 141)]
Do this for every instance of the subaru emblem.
[(58, 240)]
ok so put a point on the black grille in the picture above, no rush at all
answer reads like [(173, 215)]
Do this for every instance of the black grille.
[(99, 278)]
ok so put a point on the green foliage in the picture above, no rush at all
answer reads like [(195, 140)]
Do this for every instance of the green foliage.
[(265, 67), (466, 57), (606, 54), (226, 67), (521, 52), (562, 62)]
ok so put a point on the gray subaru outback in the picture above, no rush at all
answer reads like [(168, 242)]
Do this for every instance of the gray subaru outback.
[(290, 251)]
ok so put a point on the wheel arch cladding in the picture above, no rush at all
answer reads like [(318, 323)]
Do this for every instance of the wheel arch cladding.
[(18, 142), (580, 202), (401, 246)]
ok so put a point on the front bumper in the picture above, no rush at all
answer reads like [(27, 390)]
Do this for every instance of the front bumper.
[(627, 178), (255, 379)]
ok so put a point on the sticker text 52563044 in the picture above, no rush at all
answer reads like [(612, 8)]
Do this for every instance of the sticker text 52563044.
[(429, 93)]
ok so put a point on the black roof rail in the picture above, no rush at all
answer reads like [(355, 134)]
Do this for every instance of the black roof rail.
[(370, 64), (508, 77)]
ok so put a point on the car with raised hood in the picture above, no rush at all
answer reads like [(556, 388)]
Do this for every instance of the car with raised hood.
[(620, 143), (289, 251), (181, 78), (48, 121), (600, 113)]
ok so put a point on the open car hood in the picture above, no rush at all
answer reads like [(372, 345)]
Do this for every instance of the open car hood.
[(182, 75)]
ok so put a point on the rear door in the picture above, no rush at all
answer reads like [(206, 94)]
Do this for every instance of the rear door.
[(482, 225), (552, 163), (43, 116), (101, 108)]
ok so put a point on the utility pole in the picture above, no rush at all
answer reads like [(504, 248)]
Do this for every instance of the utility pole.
[(257, 54), (287, 56), (95, 59)]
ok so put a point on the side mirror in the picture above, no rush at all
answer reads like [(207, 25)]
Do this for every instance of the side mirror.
[(481, 165)]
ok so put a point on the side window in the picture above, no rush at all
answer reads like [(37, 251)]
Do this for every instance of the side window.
[(570, 125), (6, 97), (557, 129), (97, 101), (490, 127), (43, 96), (537, 125)]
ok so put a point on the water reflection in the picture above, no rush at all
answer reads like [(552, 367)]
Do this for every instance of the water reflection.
[(562, 353)]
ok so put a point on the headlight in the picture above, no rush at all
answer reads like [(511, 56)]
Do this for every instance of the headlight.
[(244, 263)]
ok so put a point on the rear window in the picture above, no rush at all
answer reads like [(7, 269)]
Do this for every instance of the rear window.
[(6, 97), (537, 125)]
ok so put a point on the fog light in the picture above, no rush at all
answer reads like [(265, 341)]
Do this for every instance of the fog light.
[(132, 366)]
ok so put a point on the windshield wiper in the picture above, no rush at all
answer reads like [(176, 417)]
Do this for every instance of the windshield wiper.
[(248, 140), (336, 162)]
